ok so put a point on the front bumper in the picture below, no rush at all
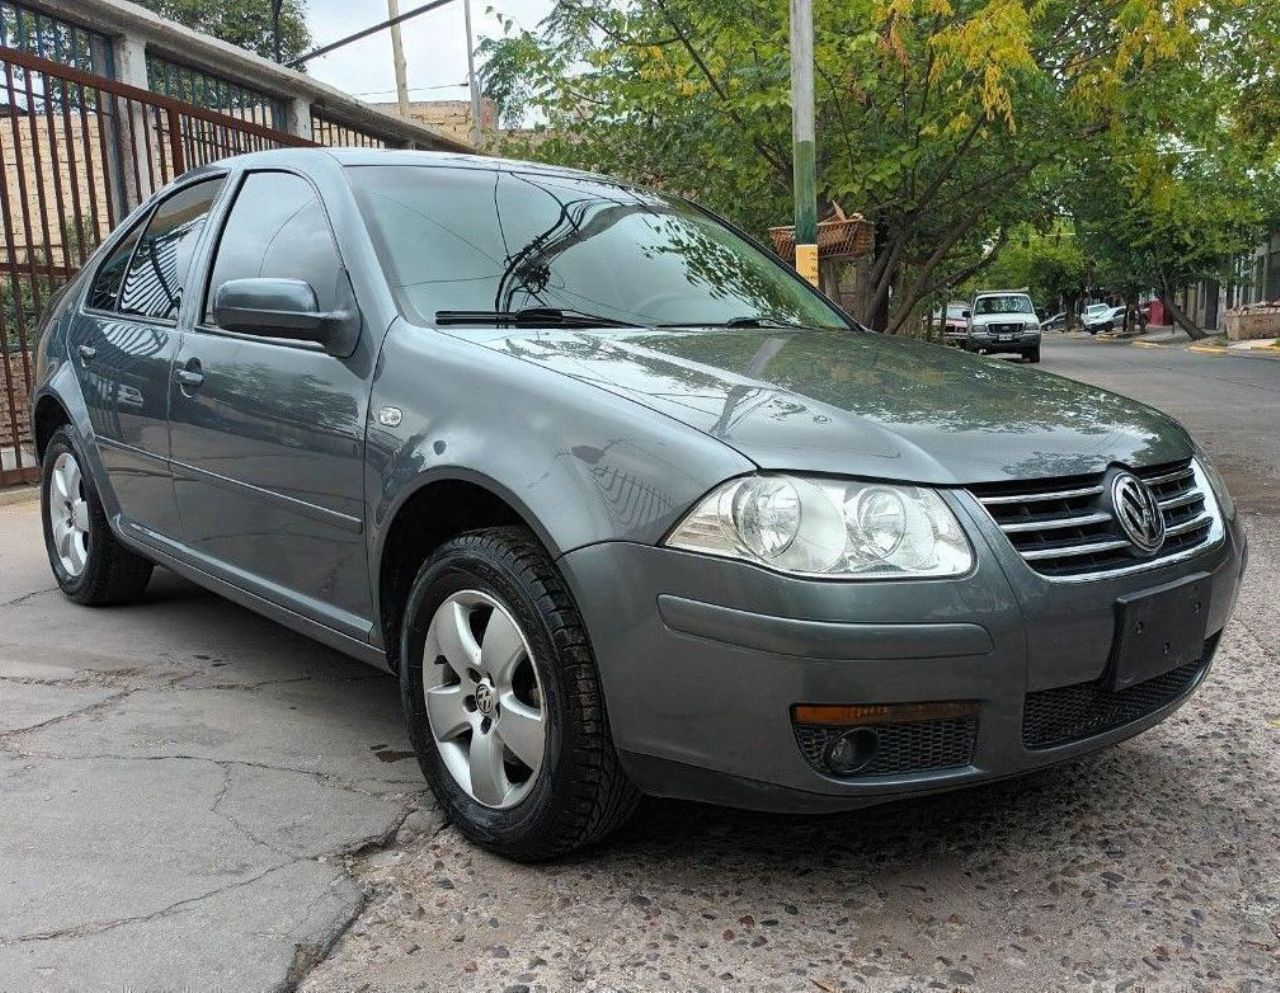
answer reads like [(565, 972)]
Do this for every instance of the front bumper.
[(1012, 341), (702, 660)]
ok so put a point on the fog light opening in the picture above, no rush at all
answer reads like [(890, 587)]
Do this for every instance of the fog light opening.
[(852, 751)]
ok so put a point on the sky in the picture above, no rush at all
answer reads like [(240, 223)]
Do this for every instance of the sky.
[(435, 46)]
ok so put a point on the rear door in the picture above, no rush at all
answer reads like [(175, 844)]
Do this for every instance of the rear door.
[(267, 436), (122, 346)]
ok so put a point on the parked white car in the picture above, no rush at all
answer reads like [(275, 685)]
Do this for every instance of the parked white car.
[(1106, 319)]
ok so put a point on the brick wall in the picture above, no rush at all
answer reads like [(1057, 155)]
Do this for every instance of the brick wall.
[(11, 373), (449, 117), (56, 195)]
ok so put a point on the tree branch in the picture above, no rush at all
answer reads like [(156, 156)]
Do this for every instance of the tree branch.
[(939, 253), (767, 153)]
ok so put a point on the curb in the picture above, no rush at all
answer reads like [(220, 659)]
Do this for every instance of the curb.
[(19, 494), (1218, 350)]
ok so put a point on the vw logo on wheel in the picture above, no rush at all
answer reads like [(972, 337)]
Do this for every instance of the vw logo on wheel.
[(1138, 512), (486, 697)]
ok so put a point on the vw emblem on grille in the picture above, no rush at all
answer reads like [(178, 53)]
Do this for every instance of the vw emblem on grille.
[(1137, 511)]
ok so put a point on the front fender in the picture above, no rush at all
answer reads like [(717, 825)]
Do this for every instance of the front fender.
[(580, 465)]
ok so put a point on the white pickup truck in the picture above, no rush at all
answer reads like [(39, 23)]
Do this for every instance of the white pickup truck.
[(1004, 321)]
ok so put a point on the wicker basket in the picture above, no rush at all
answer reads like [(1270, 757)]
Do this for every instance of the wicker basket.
[(840, 237)]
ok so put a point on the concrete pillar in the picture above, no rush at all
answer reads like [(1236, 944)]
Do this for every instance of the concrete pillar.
[(297, 113)]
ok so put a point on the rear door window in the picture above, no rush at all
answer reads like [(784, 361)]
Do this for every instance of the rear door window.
[(154, 283), (106, 283)]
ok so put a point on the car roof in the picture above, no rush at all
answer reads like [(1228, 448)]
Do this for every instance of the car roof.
[(300, 157)]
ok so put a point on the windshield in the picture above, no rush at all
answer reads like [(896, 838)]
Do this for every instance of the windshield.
[(955, 311), (460, 242), (1004, 303)]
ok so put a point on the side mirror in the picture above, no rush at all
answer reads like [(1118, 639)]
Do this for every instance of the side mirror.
[(965, 314), (287, 308)]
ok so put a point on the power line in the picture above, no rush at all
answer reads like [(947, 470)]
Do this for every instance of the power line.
[(389, 22), (413, 89)]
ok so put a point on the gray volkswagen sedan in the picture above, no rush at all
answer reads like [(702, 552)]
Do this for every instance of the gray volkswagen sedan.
[(625, 505)]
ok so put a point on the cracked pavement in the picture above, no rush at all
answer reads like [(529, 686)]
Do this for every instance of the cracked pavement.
[(184, 786), (197, 799)]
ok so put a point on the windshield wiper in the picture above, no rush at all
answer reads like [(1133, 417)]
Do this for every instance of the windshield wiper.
[(741, 322), (532, 317), (762, 322)]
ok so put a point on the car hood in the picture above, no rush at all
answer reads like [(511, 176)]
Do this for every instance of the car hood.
[(857, 403)]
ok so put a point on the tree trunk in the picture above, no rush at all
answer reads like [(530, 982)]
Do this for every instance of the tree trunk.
[(1182, 319), (881, 274), (829, 278), (863, 304), (1070, 303)]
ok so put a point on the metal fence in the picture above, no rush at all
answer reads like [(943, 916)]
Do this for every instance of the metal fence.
[(333, 134), (55, 38), (206, 89), (79, 151)]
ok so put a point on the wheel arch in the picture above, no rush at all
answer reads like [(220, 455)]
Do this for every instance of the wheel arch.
[(48, 414), (438, 505)]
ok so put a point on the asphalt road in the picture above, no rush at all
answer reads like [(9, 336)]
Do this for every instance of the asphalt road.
[(192, 798), (1230, 403)]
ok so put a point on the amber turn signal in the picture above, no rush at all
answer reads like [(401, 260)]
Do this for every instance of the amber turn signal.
[(852, 715)]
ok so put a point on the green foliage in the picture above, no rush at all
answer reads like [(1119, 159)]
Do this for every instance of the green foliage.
[(950, 124), (27, 289), (246, 23), (1050, 264), (1187, 177)]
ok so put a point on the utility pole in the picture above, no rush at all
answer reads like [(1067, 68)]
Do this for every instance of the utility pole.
[(803, 162), (397, 59), (275, 29), (476, 136)]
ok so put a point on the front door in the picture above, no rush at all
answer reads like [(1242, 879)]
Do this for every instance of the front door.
[(123, 343), (267, 436)]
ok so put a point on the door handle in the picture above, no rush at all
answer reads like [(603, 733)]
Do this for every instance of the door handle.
[(86, 352), (190, 378)]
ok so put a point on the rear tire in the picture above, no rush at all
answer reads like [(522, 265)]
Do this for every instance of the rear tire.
[(90, 564), (578, 793)]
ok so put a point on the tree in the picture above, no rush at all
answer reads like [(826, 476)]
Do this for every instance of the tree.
[(1186, 179), (246, 23), (1049, 263), (936, 118)]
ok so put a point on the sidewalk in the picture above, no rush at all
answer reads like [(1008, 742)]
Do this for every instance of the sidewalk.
[(1172, 337)]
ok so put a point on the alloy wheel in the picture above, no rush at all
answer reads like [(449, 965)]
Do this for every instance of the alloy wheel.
[(69, 514), (484, 702)]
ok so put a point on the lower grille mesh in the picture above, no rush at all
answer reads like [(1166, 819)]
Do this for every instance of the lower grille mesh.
[(915, 746), (1072, 713)]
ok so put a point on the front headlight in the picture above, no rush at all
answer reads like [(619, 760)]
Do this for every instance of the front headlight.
[(828, 528), (1219, 486)]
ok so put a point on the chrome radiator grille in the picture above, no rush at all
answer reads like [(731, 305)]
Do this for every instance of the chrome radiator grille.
[(1065, 528)]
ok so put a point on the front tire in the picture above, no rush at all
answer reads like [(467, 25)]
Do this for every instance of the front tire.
[(1031, 354), (90, 564), (503, 700)]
